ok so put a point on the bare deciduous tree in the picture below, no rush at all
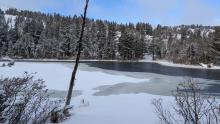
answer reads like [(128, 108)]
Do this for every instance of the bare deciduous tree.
[(191, 107)]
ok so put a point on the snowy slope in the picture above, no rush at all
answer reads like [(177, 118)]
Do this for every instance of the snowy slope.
[(10, 19)]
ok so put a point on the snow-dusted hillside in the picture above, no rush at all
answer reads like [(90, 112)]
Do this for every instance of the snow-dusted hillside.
[(11, 20)]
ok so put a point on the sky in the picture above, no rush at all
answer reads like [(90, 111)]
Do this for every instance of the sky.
[(164, 12)]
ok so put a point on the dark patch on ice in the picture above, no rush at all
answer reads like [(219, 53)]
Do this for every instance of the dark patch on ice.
[(156, 86), (134, 88)]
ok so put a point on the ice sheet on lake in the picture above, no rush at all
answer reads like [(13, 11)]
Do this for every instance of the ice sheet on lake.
[(113, 109)]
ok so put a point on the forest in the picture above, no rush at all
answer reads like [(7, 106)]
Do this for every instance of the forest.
[(35, 35)]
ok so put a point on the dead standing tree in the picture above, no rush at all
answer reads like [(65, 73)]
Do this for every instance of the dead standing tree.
[(72, 81)]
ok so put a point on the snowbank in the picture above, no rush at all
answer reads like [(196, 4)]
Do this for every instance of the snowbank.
[(148, 58), (167, 63)]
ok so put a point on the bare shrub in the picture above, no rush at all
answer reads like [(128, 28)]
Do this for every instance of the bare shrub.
[(25, 100), (191, 107)]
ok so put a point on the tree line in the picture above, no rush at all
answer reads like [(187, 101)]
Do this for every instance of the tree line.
[(27, 34)]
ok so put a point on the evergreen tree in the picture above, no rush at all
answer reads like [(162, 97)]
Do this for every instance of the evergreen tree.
[(110, 46), (101, 38), (126, 42), (215, 46), (3, 35), (11, 38)]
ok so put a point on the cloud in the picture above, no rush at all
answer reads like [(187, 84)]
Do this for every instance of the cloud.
[(197, 12), (176, 12), (67, 7), (165, 12), (160, 11), (23, 4)]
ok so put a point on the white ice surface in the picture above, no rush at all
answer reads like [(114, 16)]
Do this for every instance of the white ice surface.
[(113, 109)]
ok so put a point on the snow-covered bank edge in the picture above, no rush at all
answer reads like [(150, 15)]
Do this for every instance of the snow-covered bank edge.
[(161, 62), (171, 64), (66, 60)]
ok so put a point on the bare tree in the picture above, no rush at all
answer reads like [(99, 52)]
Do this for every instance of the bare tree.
[(191, 106), (72, 81)]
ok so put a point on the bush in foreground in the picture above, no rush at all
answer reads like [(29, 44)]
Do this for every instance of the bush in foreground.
[(191, 107), (24, 100)]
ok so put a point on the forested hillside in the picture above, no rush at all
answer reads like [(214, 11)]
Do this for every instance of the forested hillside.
[(35, 35)]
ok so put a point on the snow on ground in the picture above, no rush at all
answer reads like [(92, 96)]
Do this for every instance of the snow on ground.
[(57, 76), (168, 63), (11, 20), (192, 30), (148, 58), (148, 37), (54, 75), (178, 36), (113, 109)]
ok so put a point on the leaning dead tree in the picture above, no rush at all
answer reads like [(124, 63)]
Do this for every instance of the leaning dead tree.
[(72, 81)]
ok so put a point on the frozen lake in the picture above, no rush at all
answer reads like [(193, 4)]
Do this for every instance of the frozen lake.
[(114, 92), (153, 78), (158, 69), (159, 76)]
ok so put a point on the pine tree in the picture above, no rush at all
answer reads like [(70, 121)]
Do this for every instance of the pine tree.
[(110, 45), (11, 38), (3, 35), (125, 45), (101, 38), (140, 46), (144, 28), (93, 45)]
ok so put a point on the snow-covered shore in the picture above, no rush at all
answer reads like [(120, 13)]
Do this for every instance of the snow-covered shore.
[(66, 60), (161, 62), (148, 58), (171, 64)]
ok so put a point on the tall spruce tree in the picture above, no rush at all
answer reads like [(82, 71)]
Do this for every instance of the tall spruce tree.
[(126, 42)]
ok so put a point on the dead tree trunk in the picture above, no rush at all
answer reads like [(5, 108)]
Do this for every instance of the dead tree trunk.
[(72, 81)]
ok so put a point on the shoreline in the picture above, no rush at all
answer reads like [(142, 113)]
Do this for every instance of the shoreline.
[(171, 64), (161, 62)]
